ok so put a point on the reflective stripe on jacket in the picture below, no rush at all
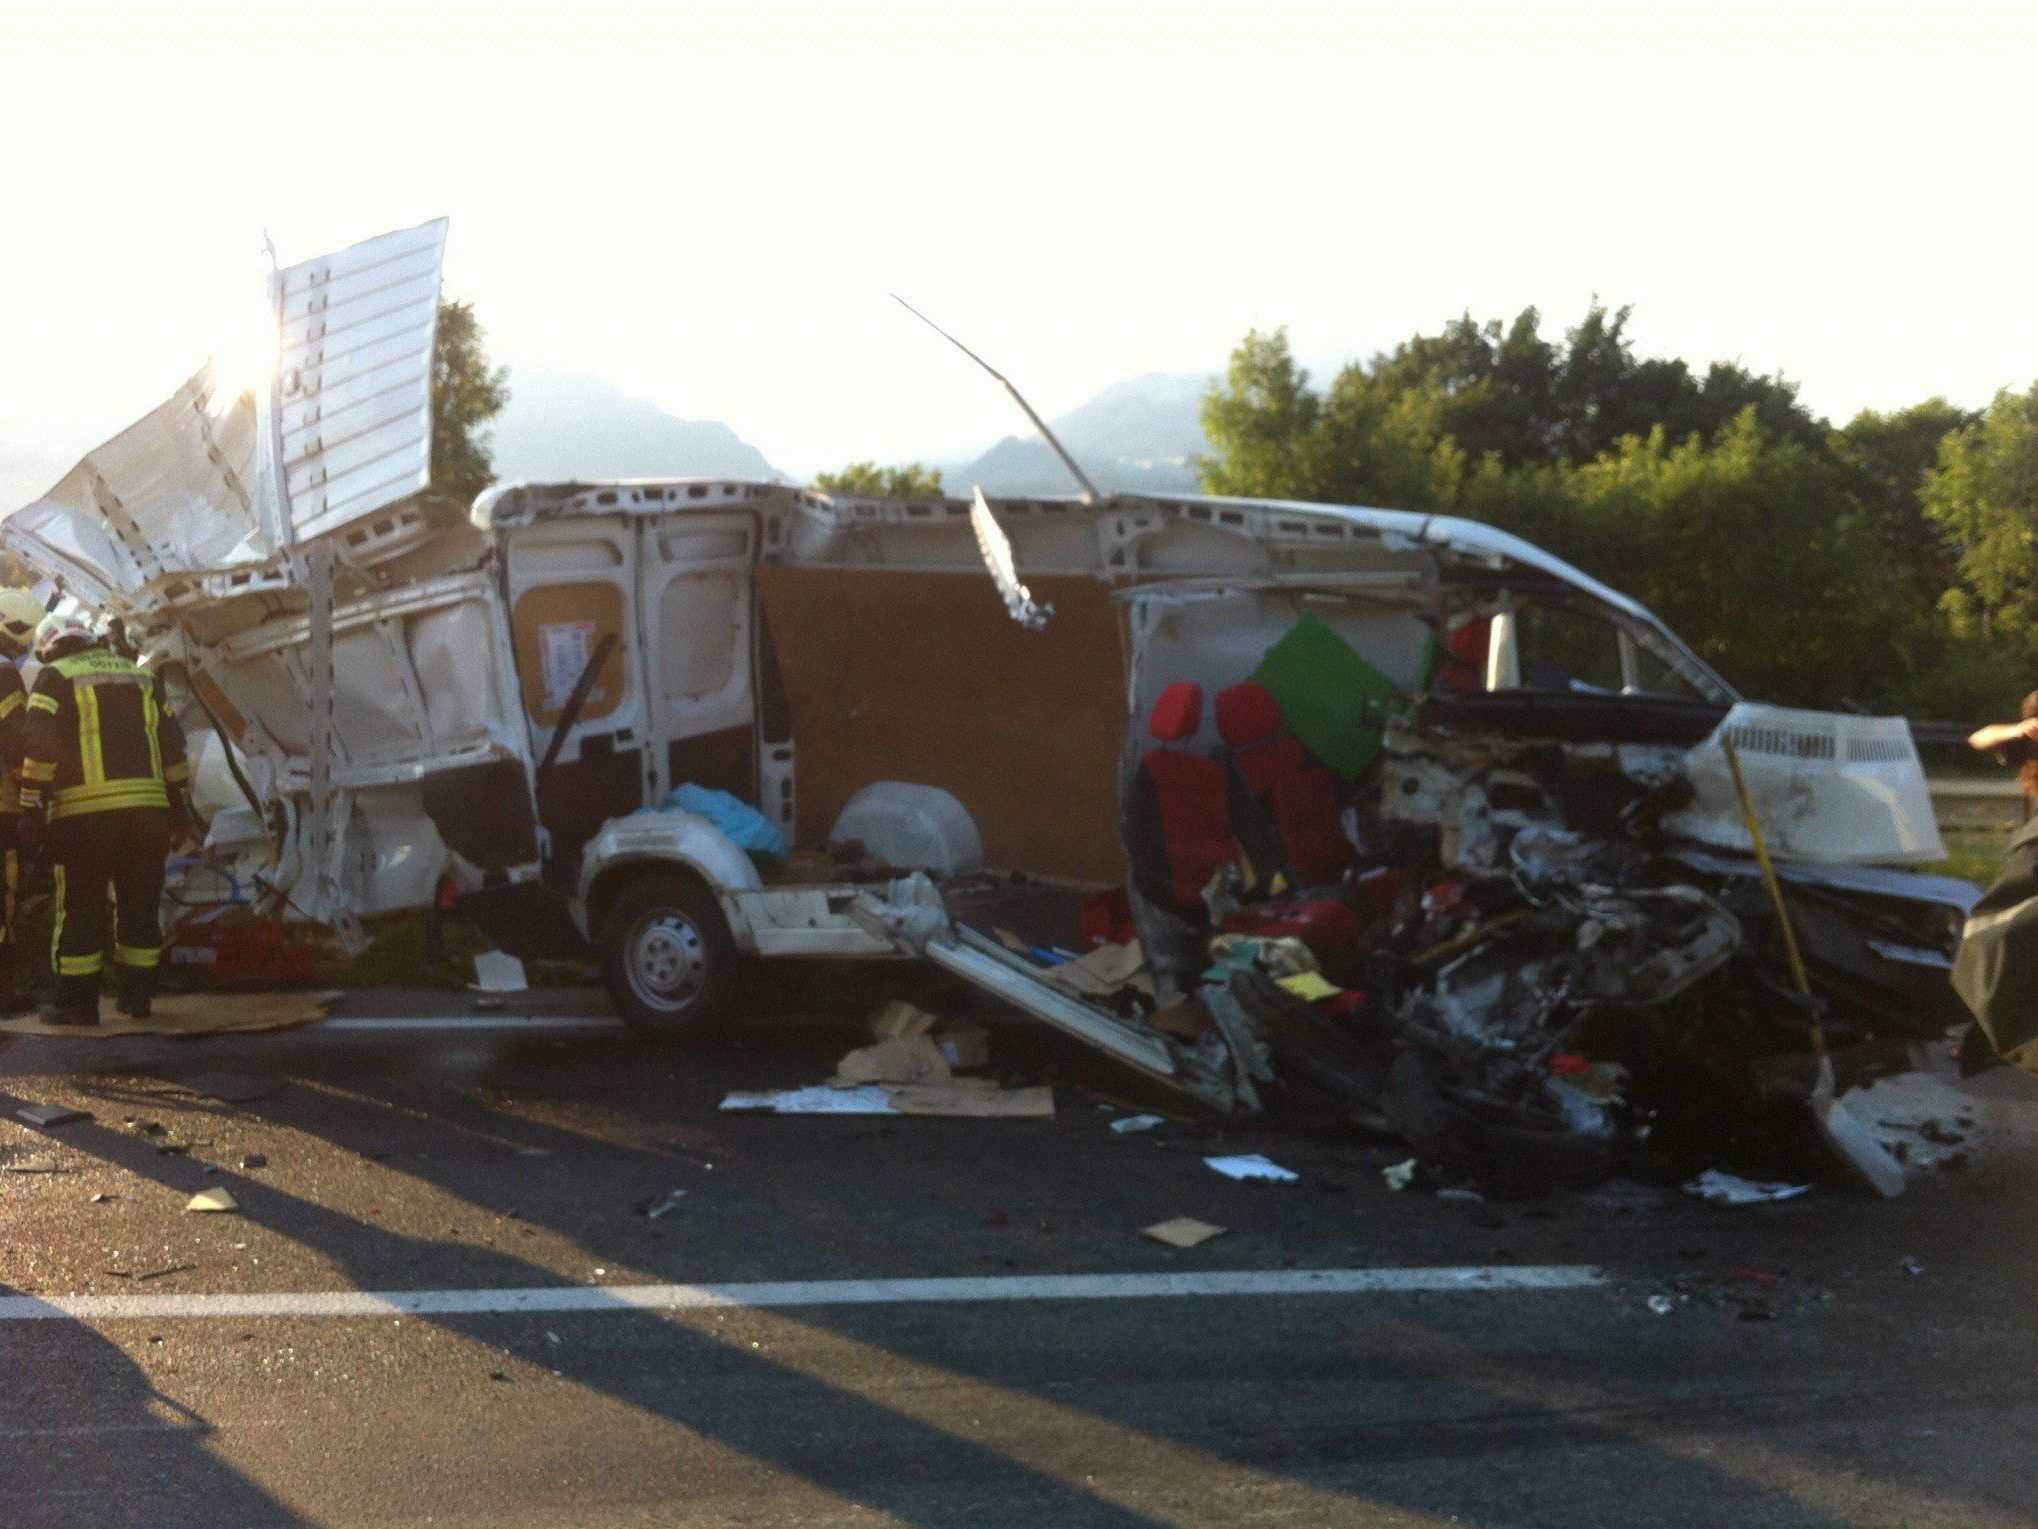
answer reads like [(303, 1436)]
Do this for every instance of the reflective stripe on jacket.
[(99, 736)]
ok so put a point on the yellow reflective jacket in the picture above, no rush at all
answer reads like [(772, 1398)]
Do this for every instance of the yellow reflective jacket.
[(99, 736)]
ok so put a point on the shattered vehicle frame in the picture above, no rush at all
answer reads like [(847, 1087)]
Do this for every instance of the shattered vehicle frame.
[(1534, 862)]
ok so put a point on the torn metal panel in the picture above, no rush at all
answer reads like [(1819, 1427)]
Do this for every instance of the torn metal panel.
[(911, 914), (1828, 787), (353, 386)]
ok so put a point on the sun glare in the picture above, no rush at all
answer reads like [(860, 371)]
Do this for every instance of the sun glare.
[(245, 361)]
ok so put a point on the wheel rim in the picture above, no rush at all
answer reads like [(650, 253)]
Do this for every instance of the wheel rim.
[(666, 960)]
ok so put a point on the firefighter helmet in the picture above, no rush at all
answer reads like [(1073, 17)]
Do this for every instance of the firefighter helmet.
[(58, 630), (20, 614)]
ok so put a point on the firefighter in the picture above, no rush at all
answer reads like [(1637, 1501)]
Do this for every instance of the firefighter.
[(103, 779), (20, 613)]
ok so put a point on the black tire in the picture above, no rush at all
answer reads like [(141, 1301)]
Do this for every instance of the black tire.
[(667, 958), (1549, 1141)]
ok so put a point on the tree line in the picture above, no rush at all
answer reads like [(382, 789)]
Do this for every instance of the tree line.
[(1889, 564)]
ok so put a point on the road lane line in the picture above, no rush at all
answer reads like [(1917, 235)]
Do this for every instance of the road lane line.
[(836, 1292), (470, 1022)]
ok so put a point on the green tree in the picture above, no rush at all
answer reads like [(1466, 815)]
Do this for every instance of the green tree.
[(1261, 420), (467, 392), (913, 480), (1887, 459), (1983, 494)]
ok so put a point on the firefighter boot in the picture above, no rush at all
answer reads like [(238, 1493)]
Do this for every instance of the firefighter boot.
[(76, 1002), (135, 987)]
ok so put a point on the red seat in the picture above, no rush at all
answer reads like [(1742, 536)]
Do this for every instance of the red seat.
[(1178, 816), (1303, 800)]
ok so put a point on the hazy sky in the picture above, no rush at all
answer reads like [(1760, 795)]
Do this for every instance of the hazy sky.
[(708, 203)]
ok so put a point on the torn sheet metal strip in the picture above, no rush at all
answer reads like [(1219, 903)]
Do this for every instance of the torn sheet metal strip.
[(989, 966), (996, 547)]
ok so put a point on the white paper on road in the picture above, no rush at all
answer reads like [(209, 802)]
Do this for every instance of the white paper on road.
[(1724, 1188), (1251, 1166), (497, 971), (816, 1100)]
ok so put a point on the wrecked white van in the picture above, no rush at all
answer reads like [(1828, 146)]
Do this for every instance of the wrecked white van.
[(1376, 786)]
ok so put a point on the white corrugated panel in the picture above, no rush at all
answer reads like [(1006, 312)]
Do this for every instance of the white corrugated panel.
[(1829, 788), (174, 492), (355, 389)]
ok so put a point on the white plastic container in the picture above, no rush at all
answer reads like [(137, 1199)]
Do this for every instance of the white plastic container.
[(916, 828)]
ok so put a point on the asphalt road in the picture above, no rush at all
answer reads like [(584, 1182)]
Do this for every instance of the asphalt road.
[(1826, 1360)]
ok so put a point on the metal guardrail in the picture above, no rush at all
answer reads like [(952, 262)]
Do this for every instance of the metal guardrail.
[(1976, 801)]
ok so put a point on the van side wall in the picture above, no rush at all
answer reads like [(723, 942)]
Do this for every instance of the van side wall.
[(921, 676)]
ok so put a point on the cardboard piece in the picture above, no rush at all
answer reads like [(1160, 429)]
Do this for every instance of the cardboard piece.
[(1101, 973), (901, 1020), (979, 1098), (1182, 1232), (965, 1044), (192, 1014), (896, 1059)]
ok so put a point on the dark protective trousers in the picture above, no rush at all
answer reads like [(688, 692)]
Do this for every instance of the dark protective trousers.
[(123, 851)]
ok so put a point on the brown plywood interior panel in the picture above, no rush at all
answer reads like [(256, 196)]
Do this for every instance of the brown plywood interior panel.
[(581, 614), (922, 677)]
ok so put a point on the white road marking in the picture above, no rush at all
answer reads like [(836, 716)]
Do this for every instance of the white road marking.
[(827, 1292), (471, 1022)]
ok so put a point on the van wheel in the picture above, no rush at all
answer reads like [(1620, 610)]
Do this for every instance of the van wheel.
[(668, 959)]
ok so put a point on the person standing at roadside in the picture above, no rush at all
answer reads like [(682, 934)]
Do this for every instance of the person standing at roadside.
[(2015, 744), (103, 781)]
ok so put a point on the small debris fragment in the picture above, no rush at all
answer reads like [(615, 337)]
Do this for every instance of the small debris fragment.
[(1399, 1176), (1911, 1266), (44, 1116), (212, 1200), (1252, 1167), (1723, 1188), (1182, 1231), (139, 1275), (101, 1198), (1453, 1192), (669, 1203), (253, 1160), (1662, 1305), (1133, 1123)]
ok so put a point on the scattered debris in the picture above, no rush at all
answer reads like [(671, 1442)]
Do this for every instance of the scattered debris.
[(980, 1097), (1182, 1232), (1662, 1305), (1723, 1188), (1398, 1176), (1911, 1266), (1252, 1167), (140, 1275), (665, 1206), (497, 972), (908, 1049), (212, 1200), (43, 1116), (1133, 1123)]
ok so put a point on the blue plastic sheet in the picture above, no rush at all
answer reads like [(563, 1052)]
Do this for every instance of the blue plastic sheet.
[(747, 828)]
